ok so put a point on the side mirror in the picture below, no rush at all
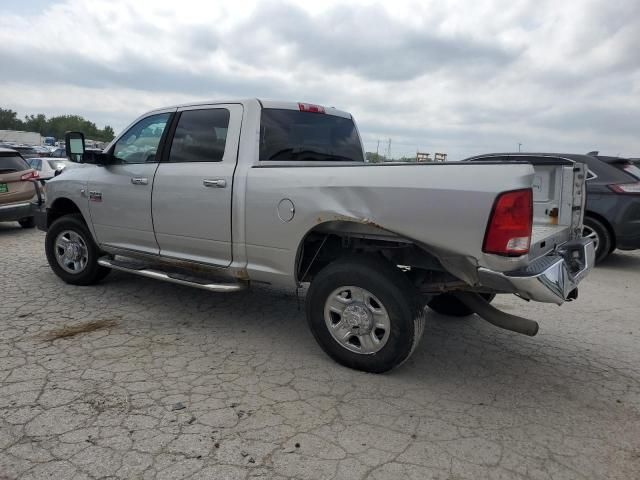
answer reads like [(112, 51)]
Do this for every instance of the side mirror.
[(74, 142), (77, 153)]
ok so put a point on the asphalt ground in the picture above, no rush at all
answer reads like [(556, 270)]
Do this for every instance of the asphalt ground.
[(139, 379)]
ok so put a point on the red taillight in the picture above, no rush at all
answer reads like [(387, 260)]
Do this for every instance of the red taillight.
[(308, 107), (509, 229), (30, 175), (626, 187)]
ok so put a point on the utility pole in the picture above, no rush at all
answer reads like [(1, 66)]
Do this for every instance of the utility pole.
[(519, 145), (389, 150), (378, 150)]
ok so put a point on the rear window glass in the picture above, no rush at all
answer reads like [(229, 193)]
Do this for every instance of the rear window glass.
[(632, 168), (303, 136), (13, 163)]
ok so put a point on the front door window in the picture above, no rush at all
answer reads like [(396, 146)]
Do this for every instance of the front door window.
[(140, 143)]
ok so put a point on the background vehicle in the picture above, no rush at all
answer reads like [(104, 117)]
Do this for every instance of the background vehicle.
[(26, 150), (48, 168), (17, 191), (41, 150), (19, 137), (219, 194), (58, 152), (612, 213)]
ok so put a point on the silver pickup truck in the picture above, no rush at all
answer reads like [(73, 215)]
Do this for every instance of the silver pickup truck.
[(222, 195)]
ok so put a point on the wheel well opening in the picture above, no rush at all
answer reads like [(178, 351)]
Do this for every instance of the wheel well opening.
[(328, 242), (59, 208)]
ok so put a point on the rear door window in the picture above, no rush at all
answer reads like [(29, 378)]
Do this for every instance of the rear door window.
[(201, 136), (292, 135), (13, 163)]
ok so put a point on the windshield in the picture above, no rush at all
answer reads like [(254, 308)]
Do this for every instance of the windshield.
[(303, 136)]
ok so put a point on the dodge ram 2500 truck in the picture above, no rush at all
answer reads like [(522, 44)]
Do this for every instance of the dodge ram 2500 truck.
[(221, 195)]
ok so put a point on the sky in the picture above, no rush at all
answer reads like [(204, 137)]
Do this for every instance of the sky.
[(458, 77)]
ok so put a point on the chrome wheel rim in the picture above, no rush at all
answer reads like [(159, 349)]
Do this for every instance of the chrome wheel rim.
[(71, 252), (591, 234), (357, 320)]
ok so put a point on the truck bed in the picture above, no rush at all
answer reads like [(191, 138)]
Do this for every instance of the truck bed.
[(543, 232)]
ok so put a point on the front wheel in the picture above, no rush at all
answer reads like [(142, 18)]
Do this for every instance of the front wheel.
[(72, 253), (365, 314)]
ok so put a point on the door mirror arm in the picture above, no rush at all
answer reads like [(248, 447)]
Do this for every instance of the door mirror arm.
[(98, 158)]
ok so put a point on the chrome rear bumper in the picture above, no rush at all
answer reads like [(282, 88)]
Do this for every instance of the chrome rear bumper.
[(551, 279)]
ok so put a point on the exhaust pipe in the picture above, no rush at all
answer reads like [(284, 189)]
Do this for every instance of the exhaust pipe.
[(496, 317)]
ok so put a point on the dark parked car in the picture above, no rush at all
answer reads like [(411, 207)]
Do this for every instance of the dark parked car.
[(612, 214), (27, 151)]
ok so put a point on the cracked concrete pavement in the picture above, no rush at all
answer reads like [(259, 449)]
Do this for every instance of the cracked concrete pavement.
[(178, 383)]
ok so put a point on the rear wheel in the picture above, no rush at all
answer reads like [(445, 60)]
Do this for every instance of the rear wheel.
[(72, 253), (28, 222), (365, 314), (448, 304), (599, 234)]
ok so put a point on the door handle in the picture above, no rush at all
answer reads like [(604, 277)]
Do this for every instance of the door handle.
[(214, 182), (139, 181)]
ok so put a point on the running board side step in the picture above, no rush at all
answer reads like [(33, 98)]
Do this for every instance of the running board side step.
[(177, 278)]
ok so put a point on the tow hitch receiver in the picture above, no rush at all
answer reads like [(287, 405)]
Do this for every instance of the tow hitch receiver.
[(496, 317)]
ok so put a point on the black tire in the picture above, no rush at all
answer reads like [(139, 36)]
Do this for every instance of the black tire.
[(92, 272), (447, 304), (597, 231), (28, 222), (397, 296)]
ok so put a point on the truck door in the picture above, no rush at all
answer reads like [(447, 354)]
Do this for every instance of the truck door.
[(192, 190), (120, 194)]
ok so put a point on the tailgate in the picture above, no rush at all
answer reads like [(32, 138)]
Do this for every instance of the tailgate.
[(558, 196)]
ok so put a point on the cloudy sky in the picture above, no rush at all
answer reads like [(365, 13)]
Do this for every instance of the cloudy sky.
[(461, 77)]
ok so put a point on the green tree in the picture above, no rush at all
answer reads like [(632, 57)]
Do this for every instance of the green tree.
[(36, 123), (373, 157), (108, 132), (9, 120), (54, 126)]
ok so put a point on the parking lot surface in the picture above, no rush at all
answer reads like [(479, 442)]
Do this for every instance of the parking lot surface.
[(136, 378)]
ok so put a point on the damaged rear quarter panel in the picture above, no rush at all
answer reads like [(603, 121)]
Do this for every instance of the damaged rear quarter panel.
[(444, 207)]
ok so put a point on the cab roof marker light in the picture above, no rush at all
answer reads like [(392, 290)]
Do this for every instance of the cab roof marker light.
[(310, 108)]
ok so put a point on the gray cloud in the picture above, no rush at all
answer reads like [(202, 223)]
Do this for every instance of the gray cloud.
[(130, 71), (464, 78), (620, 121), (365, 41)]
